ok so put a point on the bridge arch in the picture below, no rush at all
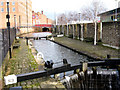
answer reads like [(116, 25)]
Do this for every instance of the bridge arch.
[(45, 29)]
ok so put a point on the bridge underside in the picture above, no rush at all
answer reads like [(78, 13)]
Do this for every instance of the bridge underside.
[(45, 29)]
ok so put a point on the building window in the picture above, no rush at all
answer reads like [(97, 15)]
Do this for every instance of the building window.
[(2, 3), (13, 3), (2, 9), (13, 9)]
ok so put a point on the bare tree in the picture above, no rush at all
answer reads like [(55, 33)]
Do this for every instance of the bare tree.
[(90, 12), (73, 16), (68, 18), (61, 19)]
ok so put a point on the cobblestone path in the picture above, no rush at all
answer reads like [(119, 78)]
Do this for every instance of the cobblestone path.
[(24, 62)]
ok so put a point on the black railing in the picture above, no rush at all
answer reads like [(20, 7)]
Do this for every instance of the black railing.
[(112, 63), (4, 42)]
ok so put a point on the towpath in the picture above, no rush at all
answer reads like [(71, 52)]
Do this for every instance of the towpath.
[(89, 49), (24, 62)]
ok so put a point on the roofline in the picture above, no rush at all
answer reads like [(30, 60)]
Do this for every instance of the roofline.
[(108, 11)]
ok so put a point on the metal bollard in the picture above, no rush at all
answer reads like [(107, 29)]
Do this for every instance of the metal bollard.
[(65, 61), (49, 64), (26, 41)]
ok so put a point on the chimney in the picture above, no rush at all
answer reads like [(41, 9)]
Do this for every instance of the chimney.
[(41, 12)]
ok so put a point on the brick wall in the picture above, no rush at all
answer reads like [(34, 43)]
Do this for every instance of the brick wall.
[(90, 30), (111, 33)]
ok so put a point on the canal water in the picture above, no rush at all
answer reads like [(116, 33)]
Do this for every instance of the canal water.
[(57, 53), (102, 79)]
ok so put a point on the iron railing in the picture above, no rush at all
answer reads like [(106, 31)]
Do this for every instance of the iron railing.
[(4, 42)]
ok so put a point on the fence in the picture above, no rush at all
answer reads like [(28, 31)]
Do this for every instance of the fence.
[(4, 42)]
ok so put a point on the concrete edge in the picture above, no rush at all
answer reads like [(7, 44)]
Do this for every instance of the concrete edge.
[(34, 53)]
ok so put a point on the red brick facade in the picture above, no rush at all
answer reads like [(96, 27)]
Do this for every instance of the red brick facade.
[(40, 18)]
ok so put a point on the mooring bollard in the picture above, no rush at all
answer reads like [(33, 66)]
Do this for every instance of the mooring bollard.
[(26, 40), (65, 61)]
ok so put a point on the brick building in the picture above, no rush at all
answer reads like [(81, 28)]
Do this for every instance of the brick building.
[(40, 18), (110, 16), (20, 14), (41, 21)]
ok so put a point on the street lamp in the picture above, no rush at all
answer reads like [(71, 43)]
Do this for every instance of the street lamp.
[(8, 26), (15, 25), (95, 35), (79, 16)]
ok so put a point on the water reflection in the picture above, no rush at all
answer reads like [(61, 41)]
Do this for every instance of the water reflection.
[(55, 52)]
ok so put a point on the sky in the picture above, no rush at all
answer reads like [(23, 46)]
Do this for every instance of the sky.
[(52, 8)]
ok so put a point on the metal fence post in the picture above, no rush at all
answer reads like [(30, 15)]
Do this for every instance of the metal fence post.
[(8, 26)]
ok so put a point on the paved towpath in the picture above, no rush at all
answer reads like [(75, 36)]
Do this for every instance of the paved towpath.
[(24, 62), (97, 51)]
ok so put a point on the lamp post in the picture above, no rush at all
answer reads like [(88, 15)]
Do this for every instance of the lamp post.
[(8, 26), (95, 37), (15, 25)]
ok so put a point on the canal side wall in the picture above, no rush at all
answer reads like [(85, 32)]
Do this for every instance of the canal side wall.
[(107, 33)]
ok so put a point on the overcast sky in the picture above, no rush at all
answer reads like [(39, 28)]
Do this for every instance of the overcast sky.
[(52, 8)]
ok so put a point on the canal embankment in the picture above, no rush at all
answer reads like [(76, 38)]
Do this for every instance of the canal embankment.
[(97, 52), (23, 61)]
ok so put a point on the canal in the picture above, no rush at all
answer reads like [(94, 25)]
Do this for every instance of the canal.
[(57, 53), (103, 79)]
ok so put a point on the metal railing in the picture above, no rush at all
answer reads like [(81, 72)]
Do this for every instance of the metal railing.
[(4, 42)]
